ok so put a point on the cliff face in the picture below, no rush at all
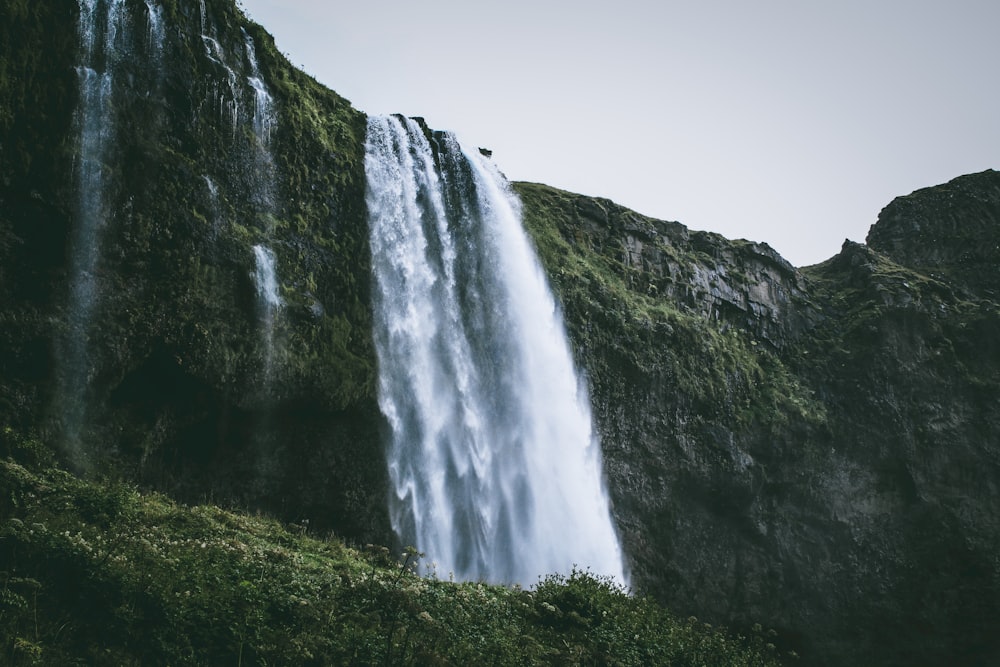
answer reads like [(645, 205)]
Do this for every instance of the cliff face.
[(951, 232), (204, 143), (815, 449)]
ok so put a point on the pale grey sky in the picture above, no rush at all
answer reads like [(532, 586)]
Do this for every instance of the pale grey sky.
[(786, 121)]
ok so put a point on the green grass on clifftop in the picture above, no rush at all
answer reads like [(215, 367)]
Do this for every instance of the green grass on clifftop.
[(622, 323), (102, 574)]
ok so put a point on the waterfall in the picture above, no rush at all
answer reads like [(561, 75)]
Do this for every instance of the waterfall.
[(262, 173), (213, 190), (266, 280), (269, 301), (156, 31), (261, 179), (494, 468), (95, 127), (228, 100), (101, 26), (214, 208), (263, 110)]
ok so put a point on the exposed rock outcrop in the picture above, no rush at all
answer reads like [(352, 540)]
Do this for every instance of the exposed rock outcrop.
[(843, 480), (950, 230), (739, 283)]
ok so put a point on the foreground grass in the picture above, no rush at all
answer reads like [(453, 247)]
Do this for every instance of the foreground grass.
[(100, 574)]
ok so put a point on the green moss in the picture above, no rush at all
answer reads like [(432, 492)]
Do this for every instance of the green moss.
[(879, 308), (175, 357), (628, 321)]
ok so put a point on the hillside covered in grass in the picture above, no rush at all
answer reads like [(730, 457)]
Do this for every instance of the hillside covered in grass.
[(98, 573)]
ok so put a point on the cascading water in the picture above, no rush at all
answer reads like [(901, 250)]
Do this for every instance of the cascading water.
[(96, 128), (261, 182), (229, 99), (266, 280), (215, 214), (100, 28), (213, 190), (269, 301), (494, 468), (263, 110), (156, 31)]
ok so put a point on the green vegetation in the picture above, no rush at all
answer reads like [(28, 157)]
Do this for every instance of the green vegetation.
[(321, 233), (635, 321), (175, 359), (101, 574), (879, 305), (886, 284)]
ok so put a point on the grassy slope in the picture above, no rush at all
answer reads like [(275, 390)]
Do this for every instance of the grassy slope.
[(101, 574)]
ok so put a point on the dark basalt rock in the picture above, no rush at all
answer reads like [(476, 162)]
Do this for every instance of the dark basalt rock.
[(951, 230)]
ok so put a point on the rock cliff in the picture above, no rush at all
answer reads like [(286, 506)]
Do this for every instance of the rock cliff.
[(814, 449), (174, 384)]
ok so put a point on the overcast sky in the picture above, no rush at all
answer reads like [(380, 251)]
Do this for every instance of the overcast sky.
[(786, 121)]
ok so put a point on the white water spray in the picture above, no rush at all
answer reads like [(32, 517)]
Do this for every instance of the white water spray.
[(214, 208), (494, 468), (269, 300), (263, 110), (266, 282), (228, 99), (266, 279), (261, 181), (156, 31), (213, 189), (262, 174)]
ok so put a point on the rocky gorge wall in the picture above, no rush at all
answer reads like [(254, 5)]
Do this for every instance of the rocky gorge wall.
[(813, 449), (178, 391)]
